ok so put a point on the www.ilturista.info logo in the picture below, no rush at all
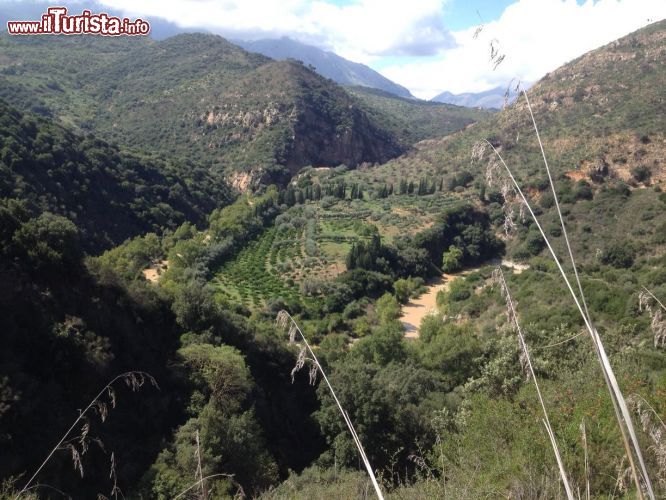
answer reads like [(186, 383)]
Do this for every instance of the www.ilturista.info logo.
[(57, 22)]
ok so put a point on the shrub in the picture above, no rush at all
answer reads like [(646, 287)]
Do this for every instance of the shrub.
[(619, 255), (451, 260), (642, 173)]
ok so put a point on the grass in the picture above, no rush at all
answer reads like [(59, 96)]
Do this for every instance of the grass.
[(284, 320), (512, 317), (512, 193), (134, 380)]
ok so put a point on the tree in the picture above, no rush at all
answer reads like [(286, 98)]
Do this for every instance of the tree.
[(49, 241), (387, 308), (451, 259), (403, 289)]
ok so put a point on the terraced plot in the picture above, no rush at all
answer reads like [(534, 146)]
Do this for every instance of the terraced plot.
[(284, 257)]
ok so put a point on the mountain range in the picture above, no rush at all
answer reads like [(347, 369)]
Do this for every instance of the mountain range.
[(495, 98), (200, 97), (327, 64)]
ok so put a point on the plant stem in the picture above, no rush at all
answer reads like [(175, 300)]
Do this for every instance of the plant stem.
[(619, 403), (345, 415), (546, 420), (94, 400)]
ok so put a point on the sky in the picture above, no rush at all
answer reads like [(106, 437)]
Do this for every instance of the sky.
[(428, 46)]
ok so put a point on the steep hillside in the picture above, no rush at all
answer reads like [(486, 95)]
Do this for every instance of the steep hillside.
[(327, 64), (413, 120), (110, 195), (602, 135), (195, 96), (600, 117)]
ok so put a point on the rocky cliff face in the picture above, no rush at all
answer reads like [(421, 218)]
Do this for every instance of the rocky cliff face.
[(201, 98), (282, 117), (323, 142)]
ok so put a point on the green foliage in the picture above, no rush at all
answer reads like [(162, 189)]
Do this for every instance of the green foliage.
[(129, 259), (620, 255), (451, 259), (412, 121), (222, 370), (405, 288), (108, 193), (388, 308), (199, 97), (464, 227), (49, 242), (389, 406)]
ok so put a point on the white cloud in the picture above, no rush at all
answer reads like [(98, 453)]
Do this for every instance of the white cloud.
[(537, 36), (361, 30)]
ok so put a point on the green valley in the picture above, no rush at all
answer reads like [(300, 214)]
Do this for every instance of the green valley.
[(226, 238)]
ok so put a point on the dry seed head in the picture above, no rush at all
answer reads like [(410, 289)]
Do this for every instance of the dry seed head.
[(292, 333), (282, 319), (492, 171), (300, 363), (658, 326), (419, 462), (478, 150), (313, 373), (85, 429), (509, 223), (498, 61), (644, 302), (76, 458), (507, 95), (493, 49), (112, 396), (623, 477), (102, 409)]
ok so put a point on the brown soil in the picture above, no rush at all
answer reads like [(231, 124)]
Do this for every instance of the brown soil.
[(154, 272)]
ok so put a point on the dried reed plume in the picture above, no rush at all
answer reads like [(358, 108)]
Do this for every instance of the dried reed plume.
[(655, 428), (283, 320), (135, 380), (240, 493), (622, 413), (512, 317), (647, 302)]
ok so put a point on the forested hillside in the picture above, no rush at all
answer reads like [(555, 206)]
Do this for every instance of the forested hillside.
[(200, 98), (239, 406), (107, 192)]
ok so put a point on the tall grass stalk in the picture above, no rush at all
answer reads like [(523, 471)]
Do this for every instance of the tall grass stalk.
[(609, 375), (513, 318), (655, 298), (201, 480), (133, 379), (284, 319), (583, 434), (657, 323), (619, 404)]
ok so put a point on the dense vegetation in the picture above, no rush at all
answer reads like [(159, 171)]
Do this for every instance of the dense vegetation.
[(412, 120), (450, 414), (192, 96), (108, 193)]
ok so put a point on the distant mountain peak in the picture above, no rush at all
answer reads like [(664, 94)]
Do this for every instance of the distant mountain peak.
[(327, 64), (488, 99)]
